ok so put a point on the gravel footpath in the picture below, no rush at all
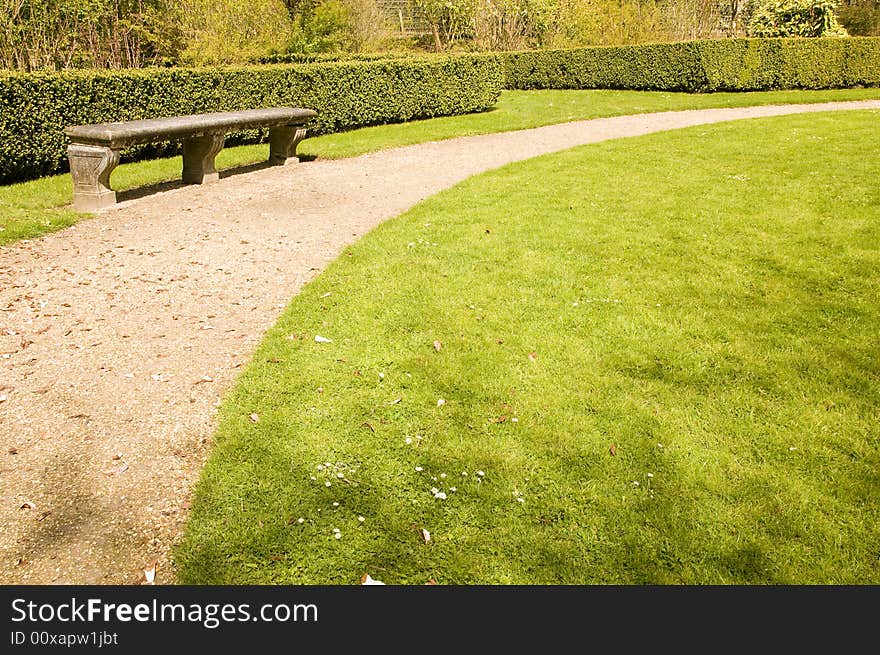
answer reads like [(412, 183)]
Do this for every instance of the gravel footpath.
[(119, 335)]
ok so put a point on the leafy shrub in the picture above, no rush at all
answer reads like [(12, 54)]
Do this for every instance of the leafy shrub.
[(787, 18), (36, 107), (699, 66)]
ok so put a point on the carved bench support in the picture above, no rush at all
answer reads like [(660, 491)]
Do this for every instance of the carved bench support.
[(90, 168), (283, 142), (198, 158)]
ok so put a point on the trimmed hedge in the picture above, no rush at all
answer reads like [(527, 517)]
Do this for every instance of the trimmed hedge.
[(700, 66), (35, 108), (319, 57)]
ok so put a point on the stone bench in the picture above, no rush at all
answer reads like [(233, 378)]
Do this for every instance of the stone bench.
[(93, 152)]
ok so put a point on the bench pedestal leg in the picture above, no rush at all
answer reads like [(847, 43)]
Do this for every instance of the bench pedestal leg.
[(90, 168), (198, 158), (283, 141)]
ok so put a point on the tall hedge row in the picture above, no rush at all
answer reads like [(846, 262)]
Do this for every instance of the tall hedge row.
[(701, 66), (35, 108)]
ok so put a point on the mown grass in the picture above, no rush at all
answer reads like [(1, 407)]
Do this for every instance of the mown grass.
[(662, 352), (33, 208)]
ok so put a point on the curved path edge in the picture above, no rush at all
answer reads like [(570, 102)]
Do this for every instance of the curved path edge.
[(120, 334)]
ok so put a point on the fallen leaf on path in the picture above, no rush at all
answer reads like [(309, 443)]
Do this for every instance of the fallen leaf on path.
[(27, 505), (204, 378), (116, 471), (43, 515), (12, 451), (148, 575)]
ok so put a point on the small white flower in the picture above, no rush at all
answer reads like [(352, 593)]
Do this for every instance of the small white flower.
[(481, 473), (791, 448), (340, 475), (453, 489), (440, 402), (419, 469), (434, 478), (434, 490), (442, 475), (320, 467), (320, 339), (300, 520), (464, 474), (407, 441), (635, 483), (312, 477), (659, 445), (335, 504), (328, 483), (328, 464), (337, 530), (650, 475), (520, 499), (361, 519), (440, 495), (514, 420), (381, 376), (338, 535)]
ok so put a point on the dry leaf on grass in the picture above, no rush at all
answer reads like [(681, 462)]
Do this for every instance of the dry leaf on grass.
[(426, 536), (367, 580), (533, 356), (612, 450), (320, 339), (254, 418), (438, 346)]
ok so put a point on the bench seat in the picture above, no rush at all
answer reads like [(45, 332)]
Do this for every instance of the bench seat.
[(93, 152)]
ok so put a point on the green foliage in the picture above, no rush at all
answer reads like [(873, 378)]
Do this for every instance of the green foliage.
[(451, 20), (335, 26), (700, 66), (574, 23), (226, 31), (56, 34), (860, 17), (35, 108), (787, 18)]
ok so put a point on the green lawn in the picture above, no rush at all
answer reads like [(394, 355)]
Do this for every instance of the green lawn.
[(661, 352), (37, 207)]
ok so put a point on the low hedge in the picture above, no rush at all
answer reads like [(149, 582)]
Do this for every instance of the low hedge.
[(701, 66), (35, 108)]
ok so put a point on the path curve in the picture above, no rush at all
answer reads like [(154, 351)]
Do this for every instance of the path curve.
[(120, 334)]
